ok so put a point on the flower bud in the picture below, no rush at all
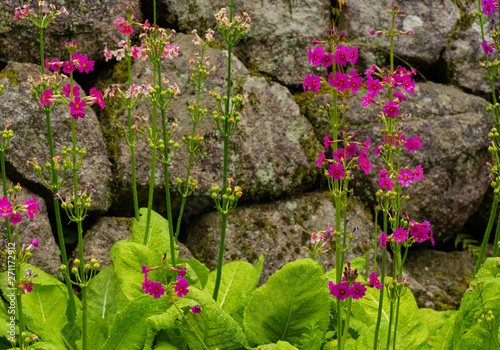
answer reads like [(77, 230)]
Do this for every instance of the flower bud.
[(63, 268), (74, 271)]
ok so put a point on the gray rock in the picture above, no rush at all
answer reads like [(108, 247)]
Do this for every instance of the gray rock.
[(439, 279), (99, 239), (278, 230), (431, 21), (280, 35), (46, 256), (91, 24), (31, 138), (453, 127), (271, 153)]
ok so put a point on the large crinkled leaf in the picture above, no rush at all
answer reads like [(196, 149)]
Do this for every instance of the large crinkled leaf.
[(105, 299), (412, 330), (159, 237), (129, 330), (286, 305), (467, 332), (281, 345), (239, 280), (223, 332), (128, 258), (199, 269), (165, 346), (441, 340), (435, 320), (45, 307)]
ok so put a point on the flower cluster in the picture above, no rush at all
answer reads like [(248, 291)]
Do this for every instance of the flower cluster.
[(26, 285), (416, 232), (77, 61), (156, 289), (49, 12), (152, 288), (8, 208), (209, 36), (349, 287), (318, 242), (489, 6)]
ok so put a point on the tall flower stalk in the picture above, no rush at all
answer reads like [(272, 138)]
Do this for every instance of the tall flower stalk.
[(227, 118)]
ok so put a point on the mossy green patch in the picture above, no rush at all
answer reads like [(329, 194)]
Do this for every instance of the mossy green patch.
[(12, 75)]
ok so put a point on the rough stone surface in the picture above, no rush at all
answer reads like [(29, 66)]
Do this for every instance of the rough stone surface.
[(271, 154), (280, 35), (431, 21), (99, 239), (453, 127), (90, 23), (463, 56), (439, 279), (31, 138), (278, 230), (46, 256)]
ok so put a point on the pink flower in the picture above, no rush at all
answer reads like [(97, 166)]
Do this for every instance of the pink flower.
[(374, 281), (76, 108), (340, 291), (365, 165), (15, 218), (386, 182), (391, 109), (351, 150), (34, 242), (336, 171), (320, 159), (312, 83), (67, 89), (399, 96), (377, 149), (84, 64), (408, 84), (68, 67), (357, 290), (181, 288), (339, 156), (352, 55), (47, 98), (341, 81), (355, 81), (383, 240), (155, 289), (373, 86), (487, 48), (126, 29), (410, 145), (326, 144), (326, 60), (5, 207), (489, 6), (315, 56), (119, 22), (400, 235), (26, 287), (405, 177), (146, 284), (32, 207), (315, 237), (419, 232), (418, 173), (342, 55), (54, 65), (182, 272), (96, 97), (108, 54), (196, 309)]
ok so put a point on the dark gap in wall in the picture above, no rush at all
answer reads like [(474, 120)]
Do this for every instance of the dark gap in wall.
[(164, 18), (2, 65)]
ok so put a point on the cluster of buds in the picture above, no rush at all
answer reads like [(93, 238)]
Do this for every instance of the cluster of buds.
[(494, 149), (157, 44), (397, 287), (46, 14), (68, 161), (229, 197), (49, 166), (232, 29), (7, 135), (82, 278), (77, 207), (231, 116), (200, 72), (318, 242), (190, 187)]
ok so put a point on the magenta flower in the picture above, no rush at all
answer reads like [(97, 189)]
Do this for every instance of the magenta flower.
[(181, 288), (400, 235), (96, 97), (47, 98), (155, 289), (418, 173), (181, 272), (367, 100), (355, 81), (352, 55), (487, 48), (34, 242), (410, 145), (399, 96), (377, 149), (373, 86), (119, 22), (196, 309), (320, 159), (336, 171), (5, 207), (76, 108), (374, 281), (26, 287), (126, 29), (405, 177), (67, 91), (146, 284), (365, 165), (386, 182), (383, 172), (357, 290), (315, 56), (342, 55), (408, 84), (351, 150), (312, 83), (15, 218), (340, 291), (383, 240), (489, 6), (418, 232), (341, 81), (326, 60), (339, 156), (68, 67), (391, 108), (326, 144), (84, 64), (32, 207)]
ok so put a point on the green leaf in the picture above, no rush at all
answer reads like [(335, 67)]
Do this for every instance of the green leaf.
[(159, 238), (412, 331), (441, 339), (239, 280), (223, 332), (128, 258), (45, 307), (467, 332), (281, 345), (434, 321), (165, 346), (129, 329), (284, 307), (104, 300)]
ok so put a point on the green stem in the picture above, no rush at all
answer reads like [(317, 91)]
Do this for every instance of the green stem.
[(375, 246), (19, 306), (495, 242), (42, 58), (4, 186), (381, 297), (338, 266), (487, 235), (84, 317), (396, 321), (390, 325), (347, 317)]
